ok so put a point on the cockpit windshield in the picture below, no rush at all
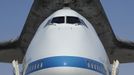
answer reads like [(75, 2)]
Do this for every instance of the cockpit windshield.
[(58, 20), (73, 20), (66, 19)]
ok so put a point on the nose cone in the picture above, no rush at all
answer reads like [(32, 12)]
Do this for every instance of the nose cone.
[(61, 41)]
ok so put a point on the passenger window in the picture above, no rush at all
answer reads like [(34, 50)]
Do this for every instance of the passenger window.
[(58, 20), (73, 20)]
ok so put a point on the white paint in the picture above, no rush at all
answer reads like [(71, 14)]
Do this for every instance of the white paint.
[(66, 40)]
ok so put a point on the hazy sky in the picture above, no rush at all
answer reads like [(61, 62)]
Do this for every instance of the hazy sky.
[(13, 14)]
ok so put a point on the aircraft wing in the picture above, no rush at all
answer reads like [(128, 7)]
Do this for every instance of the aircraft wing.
[(92, 10), (9, 51), (122, 50), (115, 47)]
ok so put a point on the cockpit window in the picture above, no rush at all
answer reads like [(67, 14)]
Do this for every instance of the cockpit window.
[(73, 20), (58, 20)]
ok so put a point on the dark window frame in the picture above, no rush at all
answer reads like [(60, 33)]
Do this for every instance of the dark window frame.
[(59, 20), (79, 21), (72, 20)]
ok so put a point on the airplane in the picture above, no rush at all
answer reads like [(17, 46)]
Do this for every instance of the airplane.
[(67, 40)]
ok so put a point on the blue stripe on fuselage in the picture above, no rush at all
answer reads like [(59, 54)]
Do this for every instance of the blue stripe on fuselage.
[(66, 61)]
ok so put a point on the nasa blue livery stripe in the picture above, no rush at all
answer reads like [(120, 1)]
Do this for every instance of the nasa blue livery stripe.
[(66, 61)]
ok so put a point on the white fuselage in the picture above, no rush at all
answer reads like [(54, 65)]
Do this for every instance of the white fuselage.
[(66, 44)]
